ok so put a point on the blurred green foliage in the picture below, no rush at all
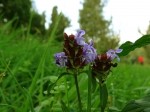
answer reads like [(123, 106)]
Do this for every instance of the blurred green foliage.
[(38, 24), (18, 9), (24, 16), (64, 22), (147, 48), (27, 69), (26, 62)]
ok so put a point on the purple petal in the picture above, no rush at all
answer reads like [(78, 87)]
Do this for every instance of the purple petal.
[(80, 41), (111, 51), (119, 50), (89, 53), (79, 38), (80, 33), (112, 54), (61, 59)]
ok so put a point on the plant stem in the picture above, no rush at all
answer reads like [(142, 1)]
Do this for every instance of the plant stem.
[(89, 92), (78, 93), (66, 87), (100, 90), (103, 95)]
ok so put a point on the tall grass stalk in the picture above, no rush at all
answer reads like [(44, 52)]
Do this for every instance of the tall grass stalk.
[(40, 68)]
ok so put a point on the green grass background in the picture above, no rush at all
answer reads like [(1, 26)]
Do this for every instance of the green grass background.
[(27, 69)]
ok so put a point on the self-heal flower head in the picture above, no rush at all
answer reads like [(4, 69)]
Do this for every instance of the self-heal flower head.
[(79, 39), (112, 54), (61, 59), (103, 63), (89, 52), (76, 52)]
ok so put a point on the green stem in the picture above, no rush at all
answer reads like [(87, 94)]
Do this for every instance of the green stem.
[(101, 104), (78, 93), (66, 87), (89, 92), (103, 95)]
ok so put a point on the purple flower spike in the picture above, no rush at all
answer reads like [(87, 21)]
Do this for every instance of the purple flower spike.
[(79, 38), (112, 54), (61, 59), (89, 53)]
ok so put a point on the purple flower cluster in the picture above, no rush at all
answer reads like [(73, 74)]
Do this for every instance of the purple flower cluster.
[(77, 53), (103, 62)]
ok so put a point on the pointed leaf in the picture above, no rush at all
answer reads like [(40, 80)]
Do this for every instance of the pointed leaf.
[(132, 107), (129, 46), (141, 105)]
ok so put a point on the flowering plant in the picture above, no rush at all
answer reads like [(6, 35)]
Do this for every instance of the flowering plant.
[(103, 63), (77, 54)]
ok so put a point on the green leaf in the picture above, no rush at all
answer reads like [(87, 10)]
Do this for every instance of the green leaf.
[(103, 96), (141, 105), (53, 84), (129, 46), (132, 106)]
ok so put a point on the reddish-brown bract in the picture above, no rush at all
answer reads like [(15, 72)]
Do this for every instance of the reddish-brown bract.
[(73, 51)]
